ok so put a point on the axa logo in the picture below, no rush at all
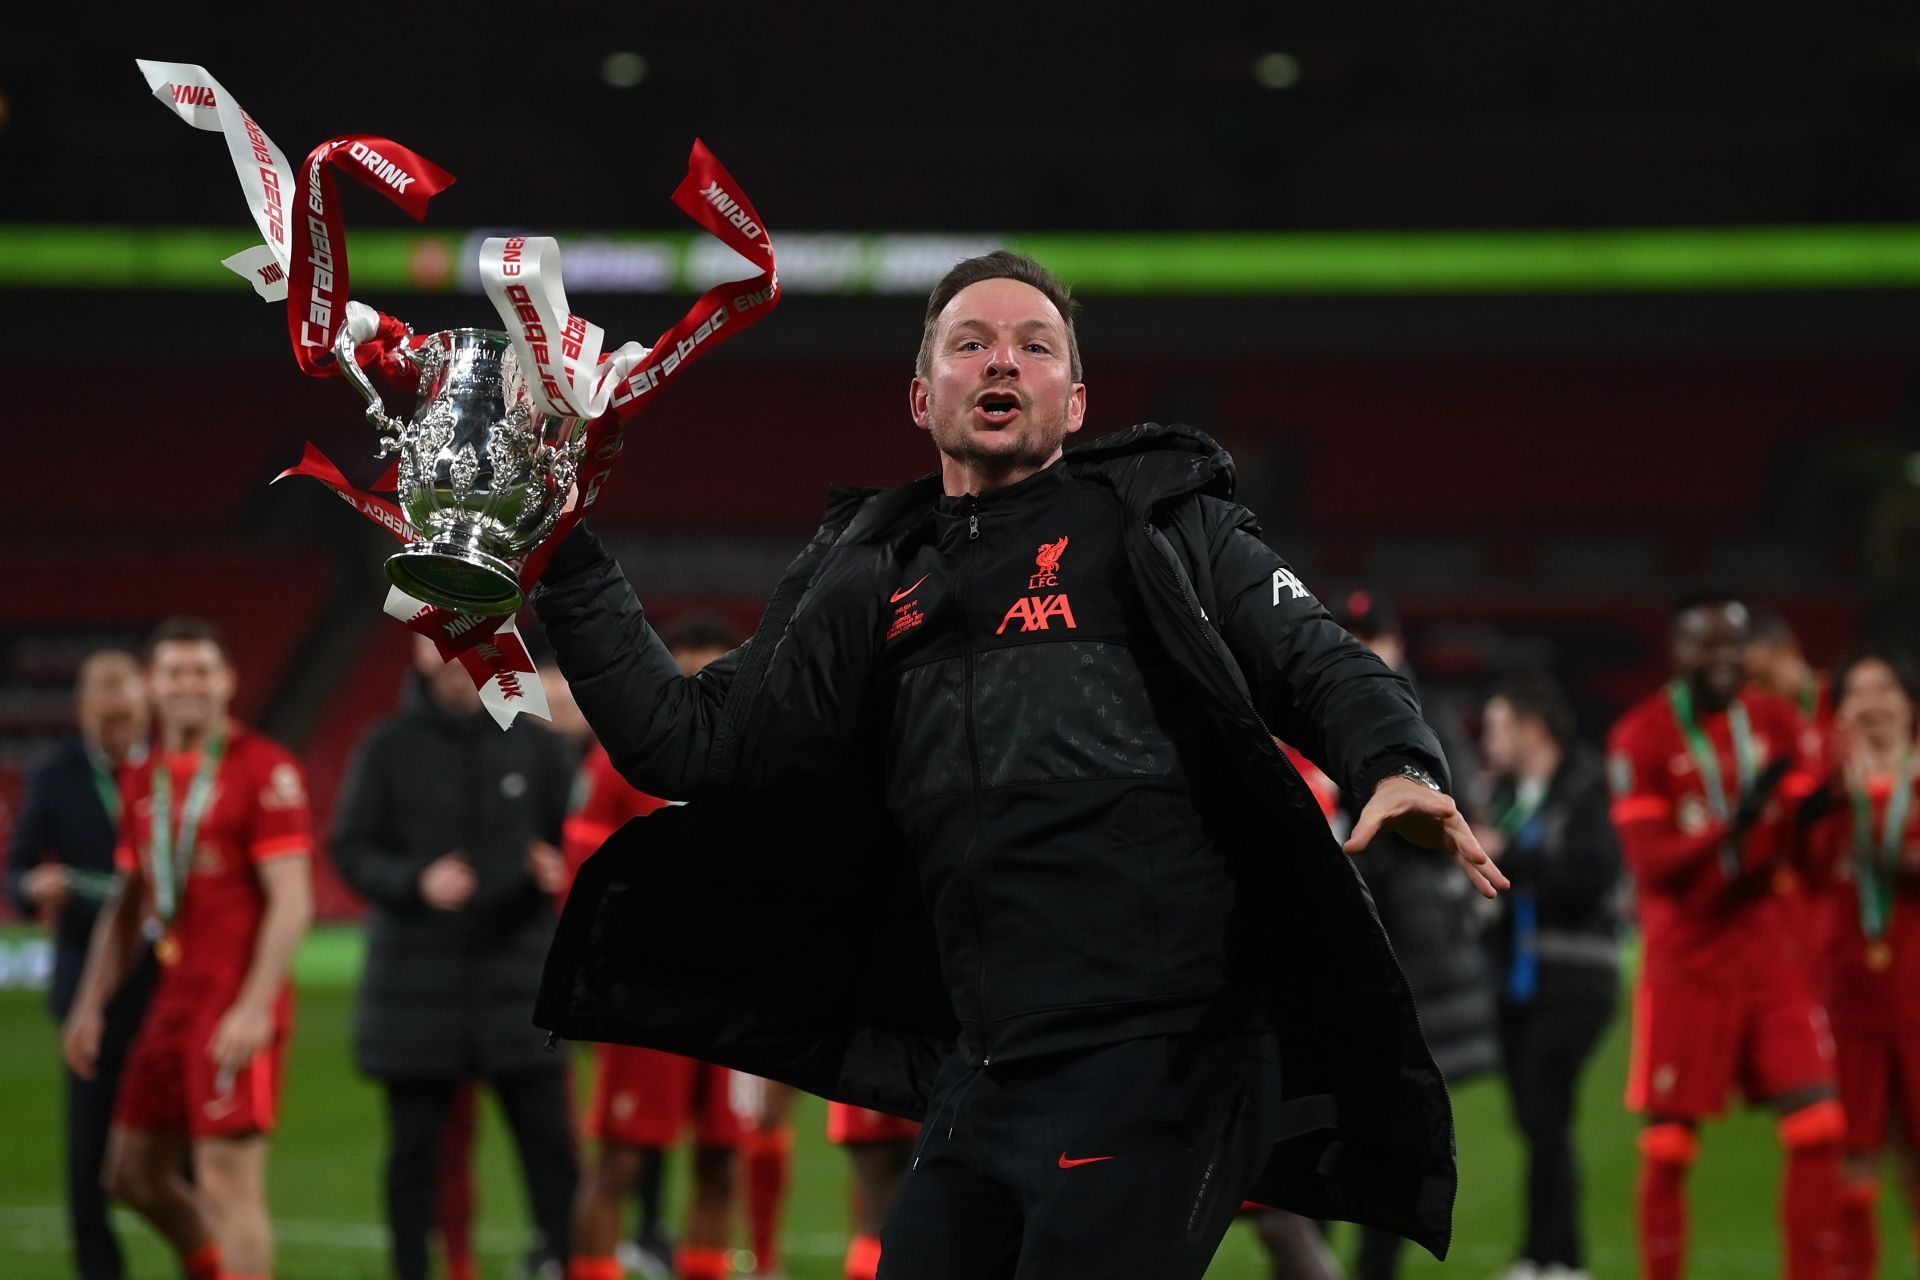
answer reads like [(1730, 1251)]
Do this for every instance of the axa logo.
[(1036, 613), (1286, 580)]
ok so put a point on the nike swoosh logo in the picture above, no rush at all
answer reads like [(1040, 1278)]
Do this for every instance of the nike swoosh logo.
[(898, 596), (1074, 1164)]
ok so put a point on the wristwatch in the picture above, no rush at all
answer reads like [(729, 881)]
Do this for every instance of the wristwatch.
[(1417, 774)]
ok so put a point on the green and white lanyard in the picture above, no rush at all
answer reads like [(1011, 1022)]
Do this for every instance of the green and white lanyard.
[(1518, 814), (1875, 860), (1746, 756), (169, 859), (98, 886)]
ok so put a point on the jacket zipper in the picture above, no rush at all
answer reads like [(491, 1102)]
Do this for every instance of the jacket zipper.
[(973, 779)]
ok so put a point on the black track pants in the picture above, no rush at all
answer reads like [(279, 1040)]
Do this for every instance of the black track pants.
[(1128, 1160)]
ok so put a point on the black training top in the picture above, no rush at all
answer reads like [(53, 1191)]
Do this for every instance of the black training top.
[(1040, 763)]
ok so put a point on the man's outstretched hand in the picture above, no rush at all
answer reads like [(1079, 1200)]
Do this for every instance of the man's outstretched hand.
[(1428, 818)]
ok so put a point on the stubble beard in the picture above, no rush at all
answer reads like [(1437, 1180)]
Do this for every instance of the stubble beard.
[(1029, 448)]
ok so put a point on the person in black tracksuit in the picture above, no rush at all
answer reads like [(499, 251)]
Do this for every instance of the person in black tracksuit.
[(1555, 945), (60, 869), (995, 794), (449, 829)]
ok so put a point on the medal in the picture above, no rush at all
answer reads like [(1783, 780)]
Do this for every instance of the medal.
[(1746, 758), (167, 950), (1876, 859), (169, 860)]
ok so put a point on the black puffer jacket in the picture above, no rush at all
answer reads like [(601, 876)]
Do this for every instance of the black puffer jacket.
[(446, 993), (836, 984), (1432, 917)]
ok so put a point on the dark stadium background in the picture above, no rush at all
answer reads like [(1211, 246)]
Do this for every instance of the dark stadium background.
[(1591, 309)]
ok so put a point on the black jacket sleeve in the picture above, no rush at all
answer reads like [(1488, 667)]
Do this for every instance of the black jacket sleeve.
[(372, 868), (32, 838), (1316, 686), (656, 724)]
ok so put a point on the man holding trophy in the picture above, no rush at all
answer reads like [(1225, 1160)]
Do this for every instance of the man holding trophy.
[(994, 787), (1021, 712)]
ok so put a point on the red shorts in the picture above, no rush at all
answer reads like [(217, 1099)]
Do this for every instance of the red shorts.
[(170, 1085), (1877, 1071), (858, 1124), (645, 1098), (1693, 1042)]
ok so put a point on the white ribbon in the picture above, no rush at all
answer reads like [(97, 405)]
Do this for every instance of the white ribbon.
[(203, 102), (559, 350), (506, 693)]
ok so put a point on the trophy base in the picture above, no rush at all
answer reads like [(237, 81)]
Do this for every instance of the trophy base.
[(467, 580)]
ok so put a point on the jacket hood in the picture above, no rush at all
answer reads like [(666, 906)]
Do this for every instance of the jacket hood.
[(1153, 463)]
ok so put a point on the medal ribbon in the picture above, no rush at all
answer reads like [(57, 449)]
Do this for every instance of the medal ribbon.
[(1876, 856), (1746, 757), (168, 859), (104, 784), (1523, 978)]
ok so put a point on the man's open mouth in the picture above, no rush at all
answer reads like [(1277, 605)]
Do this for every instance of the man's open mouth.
[(998, 407)]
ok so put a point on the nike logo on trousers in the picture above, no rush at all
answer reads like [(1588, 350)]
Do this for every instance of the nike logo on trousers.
[(1074, 1164)]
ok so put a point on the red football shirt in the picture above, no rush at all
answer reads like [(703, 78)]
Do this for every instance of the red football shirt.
[(1698, 916), (257, 812), (1868, 988), (603, 801)]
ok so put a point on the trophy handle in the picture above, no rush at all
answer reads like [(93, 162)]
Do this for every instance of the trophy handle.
[(344, 348)]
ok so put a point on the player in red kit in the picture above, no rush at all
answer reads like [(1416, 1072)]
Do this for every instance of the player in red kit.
[(1723, 999), (643, 1099), (879, 1147), (1777, 664), (1865, 865), (213, 849)]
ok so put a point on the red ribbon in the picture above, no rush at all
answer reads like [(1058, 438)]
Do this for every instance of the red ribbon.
[(317, 289)]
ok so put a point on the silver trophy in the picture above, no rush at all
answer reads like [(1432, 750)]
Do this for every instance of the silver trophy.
[(483, 474)]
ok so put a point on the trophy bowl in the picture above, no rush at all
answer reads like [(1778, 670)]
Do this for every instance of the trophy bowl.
[(483, 472)]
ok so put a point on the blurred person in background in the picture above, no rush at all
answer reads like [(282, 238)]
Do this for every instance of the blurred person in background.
[(59, 871), (645, 1100), (449, 828), (1701, 777), (563, 713), (1778, 665), (213, 853), (879, 1148), (1001, 731), (1554, 945), (1429, 913), (1864, 862)]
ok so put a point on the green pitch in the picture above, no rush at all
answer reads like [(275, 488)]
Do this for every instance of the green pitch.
[(325, 1180)]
